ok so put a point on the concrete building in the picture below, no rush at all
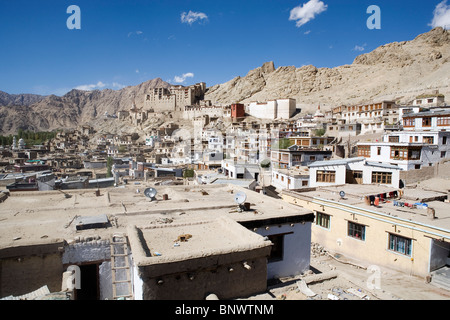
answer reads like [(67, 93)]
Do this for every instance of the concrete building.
[(290, 179), (353, 171), (125, 245), (297, 156), (399, 233), (275, 109), (434, 99), (433, 120), (409, 149)]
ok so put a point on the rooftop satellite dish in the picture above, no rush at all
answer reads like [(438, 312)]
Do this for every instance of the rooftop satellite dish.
[(240, 198), (342, 194), (150, 193)]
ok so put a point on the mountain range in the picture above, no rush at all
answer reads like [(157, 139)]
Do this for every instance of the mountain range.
[(397, 71)]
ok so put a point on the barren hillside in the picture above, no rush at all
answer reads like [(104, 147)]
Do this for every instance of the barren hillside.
[(399, 70)]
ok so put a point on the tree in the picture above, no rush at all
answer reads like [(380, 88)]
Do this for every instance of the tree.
[(188, 173), (320, 132), (109, 163), (282, 144)]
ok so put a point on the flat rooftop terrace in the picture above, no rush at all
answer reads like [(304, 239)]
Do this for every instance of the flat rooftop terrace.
[(32, 217), (355, 197)]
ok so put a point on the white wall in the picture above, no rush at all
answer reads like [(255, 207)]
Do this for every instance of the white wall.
[(339, 179), (297, 250), (286, 108)]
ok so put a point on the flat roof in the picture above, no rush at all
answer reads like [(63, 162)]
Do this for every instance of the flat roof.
[(355, 196), (31, 217), (156, 244)]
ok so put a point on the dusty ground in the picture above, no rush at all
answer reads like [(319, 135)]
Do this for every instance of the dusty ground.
[(392, 285)]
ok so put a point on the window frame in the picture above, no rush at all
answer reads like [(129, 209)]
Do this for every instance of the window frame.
[(393, 245), (326, 176), (323, 217), (351, 228)]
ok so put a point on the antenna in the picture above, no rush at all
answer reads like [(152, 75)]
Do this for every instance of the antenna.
[(150, 193), (240, 198)]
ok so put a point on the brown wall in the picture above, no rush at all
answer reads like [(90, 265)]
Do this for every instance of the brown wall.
[(440, 170), (25, 269), (216, 279)]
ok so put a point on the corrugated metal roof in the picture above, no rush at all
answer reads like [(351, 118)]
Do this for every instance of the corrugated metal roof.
[(339, 162), (383, 165)]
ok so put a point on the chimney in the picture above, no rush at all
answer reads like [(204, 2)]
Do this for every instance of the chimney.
[(431, 213)]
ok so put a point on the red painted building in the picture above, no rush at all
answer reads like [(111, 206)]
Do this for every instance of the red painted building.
[(237, 110)]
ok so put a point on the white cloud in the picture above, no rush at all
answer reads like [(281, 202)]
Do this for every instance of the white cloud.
[(441, 16), (360, 48), (90, 87), (306, 12), (119, 86), (307, 32), (135, 33), (137, 70), (182, 79), (192, 17)]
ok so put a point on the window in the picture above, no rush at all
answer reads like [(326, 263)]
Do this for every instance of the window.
[(382, 177), (323, 220), (443, 121), (409, 122), (417, 166), (326, 176), (304, 183), (429, 140), (444, 140), (443, 154), (430, 100), (394, 139), (357, 231), (379, 151), (276, 253), (364, 151), (426, 122), (400, 244)]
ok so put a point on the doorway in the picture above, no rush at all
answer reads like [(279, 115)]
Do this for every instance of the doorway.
[(89, 289), (354, 177)]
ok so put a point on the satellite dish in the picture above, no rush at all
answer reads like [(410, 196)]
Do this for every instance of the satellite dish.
[(240, 197), (150, 193), (342, 194)]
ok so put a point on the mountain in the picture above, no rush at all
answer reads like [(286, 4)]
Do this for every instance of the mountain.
[(19, 99), (399, 71), (75, 108)]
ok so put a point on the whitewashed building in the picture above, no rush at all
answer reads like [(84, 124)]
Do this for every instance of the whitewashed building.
[(275, 109), (353, 171)]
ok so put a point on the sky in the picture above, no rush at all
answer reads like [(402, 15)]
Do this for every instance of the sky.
[(54, 46)]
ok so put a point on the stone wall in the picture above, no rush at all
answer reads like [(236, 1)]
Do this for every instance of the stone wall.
[(27, 268), (441, 170), (227, 277)]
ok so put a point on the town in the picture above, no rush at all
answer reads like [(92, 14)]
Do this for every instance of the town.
[(223, 201)]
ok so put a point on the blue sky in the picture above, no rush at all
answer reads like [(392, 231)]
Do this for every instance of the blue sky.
[(127, 42)]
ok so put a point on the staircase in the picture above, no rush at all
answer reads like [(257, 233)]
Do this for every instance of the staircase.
[(441, 278), (120, 268)]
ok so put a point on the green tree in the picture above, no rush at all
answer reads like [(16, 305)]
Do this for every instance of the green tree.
[(283, 143), (188, 173), (109, 164)]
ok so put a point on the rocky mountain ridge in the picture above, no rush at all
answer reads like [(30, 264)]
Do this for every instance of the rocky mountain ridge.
[(397, 71)]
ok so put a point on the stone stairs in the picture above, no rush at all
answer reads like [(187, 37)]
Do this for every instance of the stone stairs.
[(441, 278)]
